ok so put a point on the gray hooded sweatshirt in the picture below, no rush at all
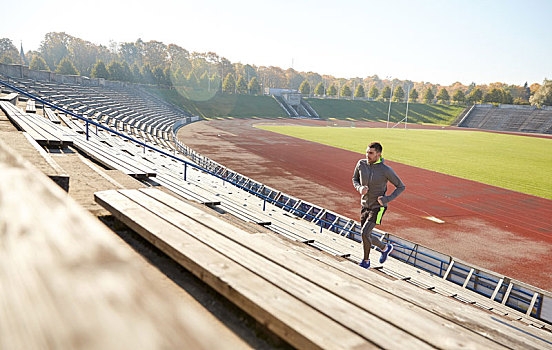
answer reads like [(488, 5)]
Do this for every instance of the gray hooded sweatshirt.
[(375, 177)]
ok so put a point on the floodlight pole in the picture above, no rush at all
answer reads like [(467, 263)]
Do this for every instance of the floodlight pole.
[(389, 110), (407, 99)]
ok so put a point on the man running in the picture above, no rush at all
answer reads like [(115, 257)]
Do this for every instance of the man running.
[(370, 180)]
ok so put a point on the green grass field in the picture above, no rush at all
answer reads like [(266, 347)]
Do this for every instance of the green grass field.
[(377, 111), (518, 163)]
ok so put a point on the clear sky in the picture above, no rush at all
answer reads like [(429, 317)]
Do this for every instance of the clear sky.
[(436, 41)]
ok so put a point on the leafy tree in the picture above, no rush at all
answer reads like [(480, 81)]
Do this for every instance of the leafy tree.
[(305, 88), (527, 91), (100, 71), (496, 95), (533, 88), (127, 72), (249, 72), (475, 95), (54, 48), (38, 63), (66, 67), (159, 76), (215, 81), (8, 51), (192, 81), (241, 86), (6, 59), (83, 54), (115, 70), (254, 87), (543, 96), (443, 95), (319, 89), (413, 95), (136, 74), (179, 78), (399, 94), (132, 53), (373, 92), (507, 97), (314, 78), (332, 90), (295, 79), (180, 58), (459, 96), (492, 95), (386, 92), (147, 74), (204, 81), (155, 53), (229, 84), (346, 91), (359, 91), (428, 95)]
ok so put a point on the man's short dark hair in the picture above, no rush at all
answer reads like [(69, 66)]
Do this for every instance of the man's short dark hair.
[(376, 146)]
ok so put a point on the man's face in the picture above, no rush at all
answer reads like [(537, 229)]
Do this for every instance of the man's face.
[(372, 155)]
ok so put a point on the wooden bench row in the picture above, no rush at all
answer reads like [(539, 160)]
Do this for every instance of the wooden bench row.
[(308, 298), (39, 128), (52, 116), (67, 282), (11, 98), (111, 157)]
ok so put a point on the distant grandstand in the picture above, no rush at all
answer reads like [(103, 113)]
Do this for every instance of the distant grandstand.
[(513, 118), (292, 103)]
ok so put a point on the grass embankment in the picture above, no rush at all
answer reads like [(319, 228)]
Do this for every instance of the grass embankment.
[(518, 163), (377, 111), (217, 105), (211, 105)]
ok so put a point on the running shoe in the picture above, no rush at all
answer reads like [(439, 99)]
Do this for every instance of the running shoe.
[(388, 249)]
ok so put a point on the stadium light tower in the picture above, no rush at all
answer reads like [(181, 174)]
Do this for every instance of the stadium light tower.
[(407, 100), (390, 97)]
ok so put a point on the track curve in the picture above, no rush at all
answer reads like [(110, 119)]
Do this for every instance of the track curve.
[(498, 229)]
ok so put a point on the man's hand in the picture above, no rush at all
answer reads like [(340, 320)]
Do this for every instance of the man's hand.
[(363, 190), (379, 200)]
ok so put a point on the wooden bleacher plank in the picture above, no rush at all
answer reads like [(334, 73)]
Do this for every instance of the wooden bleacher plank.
[(36, 126), (73, 284), (468, 316), (295, 322), (414, 319), (107, 159), (11, 98), (31, 107), (50, 128), (504, 338), (52, 116), (186, 190)]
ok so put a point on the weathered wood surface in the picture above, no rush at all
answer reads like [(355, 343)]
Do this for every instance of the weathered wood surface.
[(67, 282), (37, 127), (402, 317), (271, 306), (12, 97), (31, 107), (51, 115)]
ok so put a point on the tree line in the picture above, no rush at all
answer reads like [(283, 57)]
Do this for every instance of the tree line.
[(153, 62)]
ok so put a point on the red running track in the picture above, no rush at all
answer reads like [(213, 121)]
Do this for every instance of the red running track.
[(494, 228)]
